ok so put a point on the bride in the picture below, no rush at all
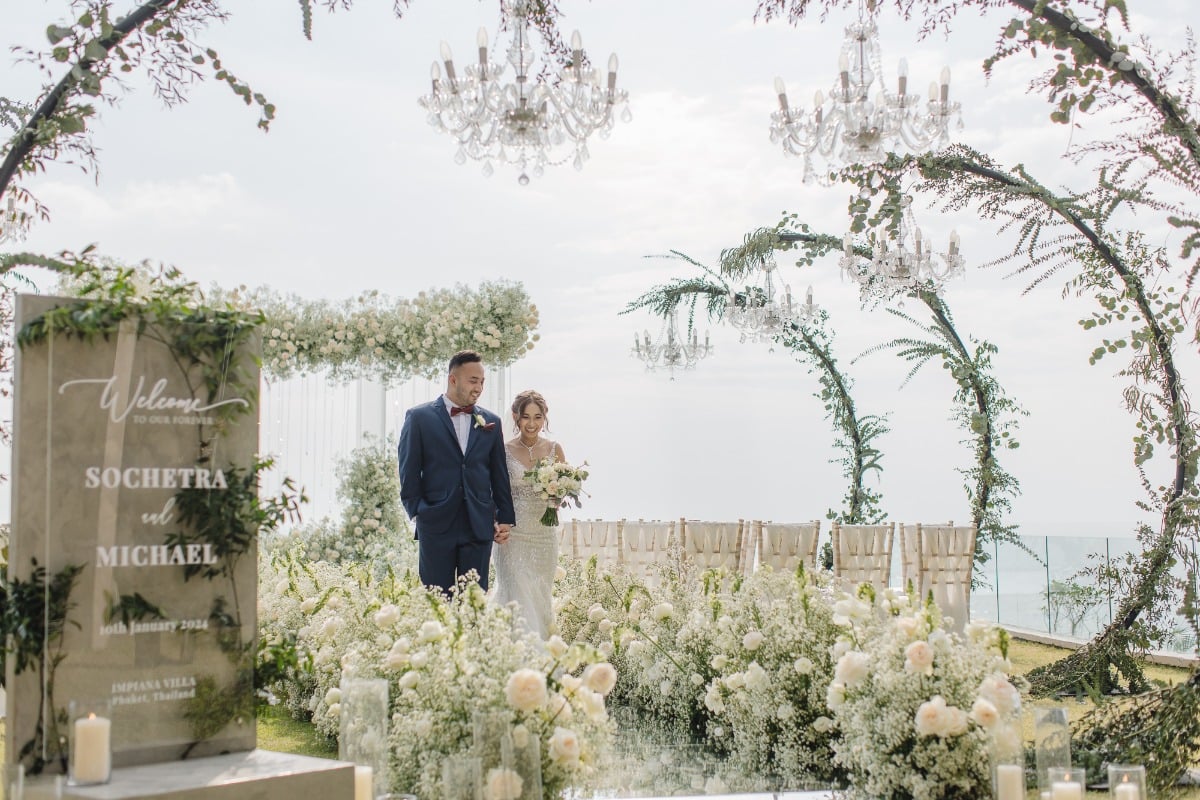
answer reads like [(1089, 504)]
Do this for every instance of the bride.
[(526, 563)]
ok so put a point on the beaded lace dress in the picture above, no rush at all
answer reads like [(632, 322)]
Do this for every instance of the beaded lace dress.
[(526, 563)]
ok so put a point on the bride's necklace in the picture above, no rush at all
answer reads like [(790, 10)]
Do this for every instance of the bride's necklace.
[(529, 447)]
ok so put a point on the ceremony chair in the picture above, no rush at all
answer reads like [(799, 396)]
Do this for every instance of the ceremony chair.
[(648, 546), (944, 558), (567, 539), (863, 553), (712, 545), (599, 538), (782, 546)]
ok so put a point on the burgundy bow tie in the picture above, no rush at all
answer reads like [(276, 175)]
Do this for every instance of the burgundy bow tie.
[(456, 410)]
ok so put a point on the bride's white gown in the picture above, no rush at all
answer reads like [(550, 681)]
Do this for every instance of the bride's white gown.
[(526, 563)]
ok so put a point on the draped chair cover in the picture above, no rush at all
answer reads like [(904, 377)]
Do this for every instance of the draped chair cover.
[(712, 545), (646, 545), (863, 553), (945, 558), (783, 545), (599, 538), (567, 536)]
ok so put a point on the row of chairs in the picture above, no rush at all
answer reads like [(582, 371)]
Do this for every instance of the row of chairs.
[(936, 559)]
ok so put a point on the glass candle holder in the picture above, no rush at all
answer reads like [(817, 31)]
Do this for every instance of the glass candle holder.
[(362, 735), (89, 743), (1066, 783), (1052, 744), (462, 778), (1126, 782)]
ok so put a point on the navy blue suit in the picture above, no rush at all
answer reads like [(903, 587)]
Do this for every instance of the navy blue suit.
[(455, 497)]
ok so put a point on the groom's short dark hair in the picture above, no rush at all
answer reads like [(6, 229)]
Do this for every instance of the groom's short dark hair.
[(464, 357)]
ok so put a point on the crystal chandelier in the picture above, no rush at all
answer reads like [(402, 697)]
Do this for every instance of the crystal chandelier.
[(851, 127), (671, 351), (903, 262), (529, 122), (758, 315), (14, 223)]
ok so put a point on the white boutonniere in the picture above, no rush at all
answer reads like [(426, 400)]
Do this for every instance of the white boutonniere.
[(480, 422)]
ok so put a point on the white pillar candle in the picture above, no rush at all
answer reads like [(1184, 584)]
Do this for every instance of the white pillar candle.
[(1066, 790), (363, 778), (1010, 782), (93, 750), (1128, 791)]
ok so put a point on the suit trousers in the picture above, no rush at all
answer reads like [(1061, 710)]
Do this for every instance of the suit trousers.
[(442, 557)]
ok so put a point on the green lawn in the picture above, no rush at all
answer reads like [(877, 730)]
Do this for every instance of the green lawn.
[(279, 732)]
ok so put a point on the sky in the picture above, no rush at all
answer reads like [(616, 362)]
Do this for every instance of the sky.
[(352, 190)]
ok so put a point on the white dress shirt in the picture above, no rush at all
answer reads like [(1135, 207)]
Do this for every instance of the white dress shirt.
[(461, 423)]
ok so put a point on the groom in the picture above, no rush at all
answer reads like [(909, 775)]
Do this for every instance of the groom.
[(454, 478)]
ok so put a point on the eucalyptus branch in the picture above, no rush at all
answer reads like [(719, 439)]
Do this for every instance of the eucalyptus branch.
[(76, 80)]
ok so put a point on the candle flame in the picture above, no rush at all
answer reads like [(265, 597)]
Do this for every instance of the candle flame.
[(91, 715)]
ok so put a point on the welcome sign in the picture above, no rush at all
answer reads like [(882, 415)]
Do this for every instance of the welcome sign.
[(132, 456)]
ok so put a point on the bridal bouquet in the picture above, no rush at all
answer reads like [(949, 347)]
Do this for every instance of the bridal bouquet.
[(557, 482)]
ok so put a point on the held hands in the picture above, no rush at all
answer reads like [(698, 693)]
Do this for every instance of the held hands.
[(502, 529)]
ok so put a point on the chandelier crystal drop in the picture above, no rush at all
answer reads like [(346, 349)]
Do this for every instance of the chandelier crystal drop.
[(14, 223), (852, 126), (531, 121), (759, 315), (902, 262), (670, 351)]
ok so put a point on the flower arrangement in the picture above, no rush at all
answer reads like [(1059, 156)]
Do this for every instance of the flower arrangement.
[(772, 664), (557, 482), (446, 663), (917, 708), (459, 660), (389, 339), (372, 528), (787, 679)]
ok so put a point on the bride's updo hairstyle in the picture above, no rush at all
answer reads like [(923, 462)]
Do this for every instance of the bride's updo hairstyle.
[(526, 398)]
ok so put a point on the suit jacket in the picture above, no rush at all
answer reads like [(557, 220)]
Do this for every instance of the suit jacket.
[(436, 476)]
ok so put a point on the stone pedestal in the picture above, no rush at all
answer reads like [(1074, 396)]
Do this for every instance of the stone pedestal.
[(252, 775)]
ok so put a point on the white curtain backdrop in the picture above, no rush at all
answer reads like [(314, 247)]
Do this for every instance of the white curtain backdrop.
[(309, 424)]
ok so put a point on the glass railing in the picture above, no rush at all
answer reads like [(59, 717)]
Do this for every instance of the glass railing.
[(1051, 584)]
